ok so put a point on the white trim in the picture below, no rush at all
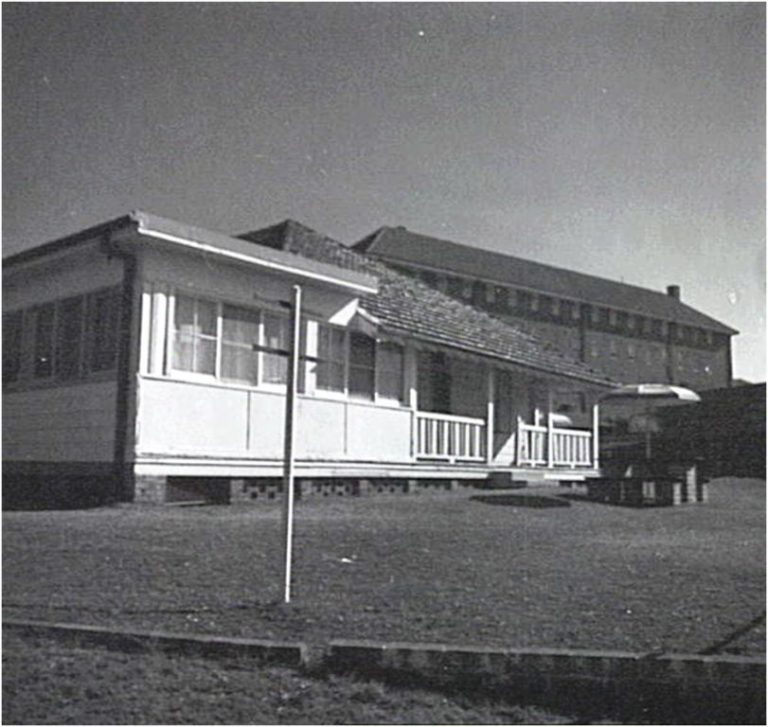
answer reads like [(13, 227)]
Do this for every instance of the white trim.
[(268, 264)]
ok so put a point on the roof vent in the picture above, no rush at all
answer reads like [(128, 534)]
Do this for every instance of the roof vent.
[(673, 291)]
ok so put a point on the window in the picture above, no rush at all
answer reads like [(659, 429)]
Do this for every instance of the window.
[(69, 337), (614, 349), (65, 339), (239, 342), (362, 365), (13, 326), (194, 335), (576, 311), (630, 322), (103, 324), (428, 277), (466, 289), (613, 317), (277, 335), (556, 307), (490, 294), (534, 301), (453, 286), (479, 292), (44, 317), (390, 371), (595, 315), (631, 350), (330, 358)]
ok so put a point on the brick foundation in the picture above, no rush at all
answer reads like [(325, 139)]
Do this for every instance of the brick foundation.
[(150, 489)]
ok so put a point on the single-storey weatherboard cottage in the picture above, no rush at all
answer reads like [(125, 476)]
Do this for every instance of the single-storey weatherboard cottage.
[(148, 357)]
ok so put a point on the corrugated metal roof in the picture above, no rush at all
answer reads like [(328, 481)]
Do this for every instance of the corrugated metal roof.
[(399, 245), (409, 306)]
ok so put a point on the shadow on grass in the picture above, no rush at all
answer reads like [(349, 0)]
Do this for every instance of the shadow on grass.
[(538, 501)]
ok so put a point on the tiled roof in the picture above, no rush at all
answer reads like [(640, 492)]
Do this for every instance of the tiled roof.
[(399, 245), (406, 305)]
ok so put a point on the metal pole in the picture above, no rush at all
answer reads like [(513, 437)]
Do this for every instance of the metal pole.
[(290, 410)]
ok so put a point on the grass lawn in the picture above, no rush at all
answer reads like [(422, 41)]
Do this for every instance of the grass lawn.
[(501, 570), (47, 683)]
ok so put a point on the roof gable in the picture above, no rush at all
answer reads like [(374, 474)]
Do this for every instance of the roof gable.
[(411, 307), (399, 245)]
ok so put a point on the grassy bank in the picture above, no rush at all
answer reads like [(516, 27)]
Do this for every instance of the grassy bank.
[(45, 682), (524, 568)]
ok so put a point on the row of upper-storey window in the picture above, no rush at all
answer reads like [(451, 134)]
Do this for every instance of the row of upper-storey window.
[(503, 299), (62, 340), (218, 341)]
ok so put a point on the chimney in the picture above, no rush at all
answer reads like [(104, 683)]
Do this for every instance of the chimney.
[(673, 291)]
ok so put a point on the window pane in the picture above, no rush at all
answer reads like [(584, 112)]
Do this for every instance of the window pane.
[(362, 356), (103, 321), (361, 382), (390, 371), (276, 335), (205, 356), (330, 376), (183, 353), (239, 364), (12, 332), (240, 332), (69, 334), (240, 325), (206, 317), (184, 314), (330, 355), (43, 364)]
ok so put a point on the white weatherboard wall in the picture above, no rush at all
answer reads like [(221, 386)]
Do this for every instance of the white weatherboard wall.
[(60, 424), (191, 419), (54, 422)]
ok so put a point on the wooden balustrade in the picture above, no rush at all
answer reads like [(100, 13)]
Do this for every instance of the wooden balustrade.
[(539, 446), (454, 438), (449, 437)]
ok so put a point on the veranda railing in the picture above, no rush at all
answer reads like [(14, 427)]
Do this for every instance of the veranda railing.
[(449, 437)]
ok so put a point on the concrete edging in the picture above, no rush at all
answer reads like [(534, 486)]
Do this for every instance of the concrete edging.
[(668, 688), (266, 651), (671, 688)]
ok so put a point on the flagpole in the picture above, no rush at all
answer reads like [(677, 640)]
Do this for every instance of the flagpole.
[(290, 410)]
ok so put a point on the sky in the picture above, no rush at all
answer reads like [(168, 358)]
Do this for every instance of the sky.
[(625, 140)]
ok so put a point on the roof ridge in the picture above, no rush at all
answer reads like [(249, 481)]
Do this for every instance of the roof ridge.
[(398, 247)]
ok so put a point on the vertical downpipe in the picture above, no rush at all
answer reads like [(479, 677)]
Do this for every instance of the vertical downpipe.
[(125, 408)]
